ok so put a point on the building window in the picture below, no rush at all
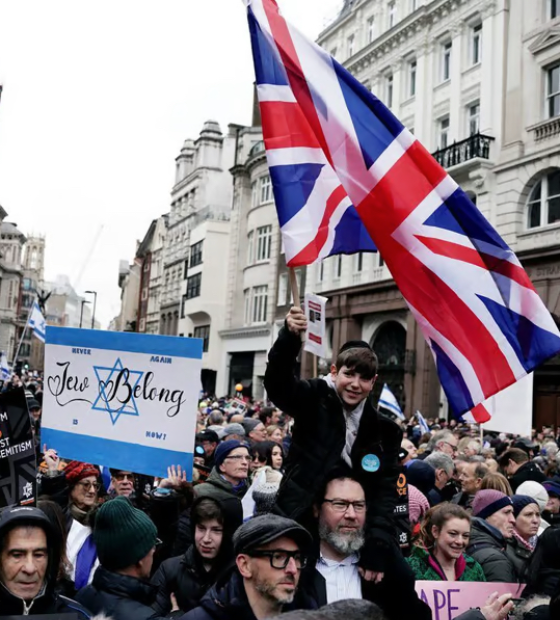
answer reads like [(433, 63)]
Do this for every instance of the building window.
[(446, 61), (264, 240), (321, 272), (142, 326), (282, 289), (358, 262), (389, 90), (254, 194), (371, 29), (350, 46), (338, 266), (380, 261), (203, 332), (146, 266), (476, 44), (553, 8), (553, 91), (260, 301), (250, 248), (333, 52), (144, 294), (247, 305), (412, 78), (543, 206), (265, 189), (474, 118), (443, 132), (413, 5), (193, 286), (196, 254), (391, 14)]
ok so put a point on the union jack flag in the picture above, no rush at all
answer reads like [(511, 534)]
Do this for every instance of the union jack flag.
[(330, 142)]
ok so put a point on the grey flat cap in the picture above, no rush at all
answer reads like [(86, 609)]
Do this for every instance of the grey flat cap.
[(267, 528)]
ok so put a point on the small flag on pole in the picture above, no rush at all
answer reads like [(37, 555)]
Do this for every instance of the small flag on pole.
[(388, 401), (37, 322), (5, 372), (422, 422)]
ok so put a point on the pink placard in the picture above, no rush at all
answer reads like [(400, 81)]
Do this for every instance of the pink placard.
[(449, 599)]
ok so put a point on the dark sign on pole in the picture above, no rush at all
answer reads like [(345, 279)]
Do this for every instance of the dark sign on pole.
[(18, 466)]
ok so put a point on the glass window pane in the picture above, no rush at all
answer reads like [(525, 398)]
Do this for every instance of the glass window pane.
[(554, 183), (553, 210), (534, 215), (536, 192), (554, 80)]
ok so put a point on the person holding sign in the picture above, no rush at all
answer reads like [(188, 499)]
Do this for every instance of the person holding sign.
[(29, 566), (335, 425)]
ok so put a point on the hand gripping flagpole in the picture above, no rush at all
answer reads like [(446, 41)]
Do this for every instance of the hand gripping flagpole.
[(297, 304)]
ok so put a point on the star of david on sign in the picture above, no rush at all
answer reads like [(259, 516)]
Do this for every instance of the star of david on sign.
[(106, 374)]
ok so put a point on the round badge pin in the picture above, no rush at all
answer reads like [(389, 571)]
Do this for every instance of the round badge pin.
[(370, 463)]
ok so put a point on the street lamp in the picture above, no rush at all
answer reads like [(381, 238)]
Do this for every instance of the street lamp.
[(94, 293), (84, 301)]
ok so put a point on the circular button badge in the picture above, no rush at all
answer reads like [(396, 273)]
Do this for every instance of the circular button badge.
[(370, 463)]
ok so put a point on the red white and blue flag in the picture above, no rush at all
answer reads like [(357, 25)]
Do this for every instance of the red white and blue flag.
[(332, 144)]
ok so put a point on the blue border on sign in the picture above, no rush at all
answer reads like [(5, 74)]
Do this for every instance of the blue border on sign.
[(172, 346), (117, 454)]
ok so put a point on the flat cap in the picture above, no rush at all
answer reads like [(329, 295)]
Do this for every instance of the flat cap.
[(266, 529)]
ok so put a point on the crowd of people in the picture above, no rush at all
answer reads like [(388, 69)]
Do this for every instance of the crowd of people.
[(312, 505)]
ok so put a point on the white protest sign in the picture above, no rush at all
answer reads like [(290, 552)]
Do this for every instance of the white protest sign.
[(315, 337), (512, 408), (120, 399)]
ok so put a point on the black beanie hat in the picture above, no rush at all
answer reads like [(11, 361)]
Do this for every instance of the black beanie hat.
[(123, 534), (354, 344)]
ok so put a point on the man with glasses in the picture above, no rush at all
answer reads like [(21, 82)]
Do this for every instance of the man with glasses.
[(229, 475), (443, 441), (122, 483), (341, 523), (271, 552)]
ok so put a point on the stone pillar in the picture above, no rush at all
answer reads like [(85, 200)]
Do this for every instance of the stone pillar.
[(397, 69), (423, 122), (455, 112)]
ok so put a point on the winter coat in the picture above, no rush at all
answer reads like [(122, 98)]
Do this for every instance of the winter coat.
[(488, 547), (424, 567), (546, 582), (119, 596), (185, 575), (519, 556), (217, 488), (527, 471), (49, 601), (398, 578), (318, 439), (227, 600), (464, 500)]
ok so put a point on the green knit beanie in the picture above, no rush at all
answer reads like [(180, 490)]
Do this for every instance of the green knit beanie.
[(123, 534)]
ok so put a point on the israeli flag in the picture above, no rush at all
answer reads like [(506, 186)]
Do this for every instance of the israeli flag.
[(37, 322), (5, 372), (422, 422), (388, 401)]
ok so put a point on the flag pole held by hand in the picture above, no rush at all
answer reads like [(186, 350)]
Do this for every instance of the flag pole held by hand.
[(295, 294)]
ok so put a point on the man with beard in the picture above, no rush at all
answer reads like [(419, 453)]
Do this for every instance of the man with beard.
[(341, 520), (270, 554), (334, 575)]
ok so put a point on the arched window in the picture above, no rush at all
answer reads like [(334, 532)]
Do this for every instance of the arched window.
[(543, 205)]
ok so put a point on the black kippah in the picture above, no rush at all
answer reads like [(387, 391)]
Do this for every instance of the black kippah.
[(354, 344)]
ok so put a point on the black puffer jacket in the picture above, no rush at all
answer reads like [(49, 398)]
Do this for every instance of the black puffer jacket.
[(527, 471), (185, 575), (118, 596), (227, 600), (49, 601), (488, 547), (318, 439)]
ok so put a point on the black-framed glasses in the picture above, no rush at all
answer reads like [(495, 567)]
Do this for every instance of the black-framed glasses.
[(454, 448), (280, 559), (120, 477), (239, 457), (341, 505)]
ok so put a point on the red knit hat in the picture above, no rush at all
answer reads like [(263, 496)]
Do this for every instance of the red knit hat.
[(76, 471)]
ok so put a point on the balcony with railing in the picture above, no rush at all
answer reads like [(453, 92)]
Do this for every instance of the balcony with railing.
[(466, 152)]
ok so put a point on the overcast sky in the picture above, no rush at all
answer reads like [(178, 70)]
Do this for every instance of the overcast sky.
[(98, 99)]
